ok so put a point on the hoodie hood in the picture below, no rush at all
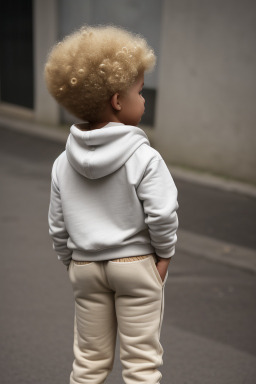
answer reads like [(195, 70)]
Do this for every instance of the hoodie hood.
[(100, 152)]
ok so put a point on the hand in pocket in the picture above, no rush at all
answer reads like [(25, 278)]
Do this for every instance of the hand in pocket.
[(162, 266)]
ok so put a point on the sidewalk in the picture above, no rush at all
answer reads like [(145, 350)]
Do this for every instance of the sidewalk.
[(217, 217)]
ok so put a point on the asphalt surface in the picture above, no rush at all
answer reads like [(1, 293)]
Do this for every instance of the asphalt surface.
[(208, 332)]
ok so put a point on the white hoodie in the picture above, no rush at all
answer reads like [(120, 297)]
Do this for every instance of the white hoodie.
[(112, 196)]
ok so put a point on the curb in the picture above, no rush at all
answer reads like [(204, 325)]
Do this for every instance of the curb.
[(215, 250), (56, 133), (212, 181)]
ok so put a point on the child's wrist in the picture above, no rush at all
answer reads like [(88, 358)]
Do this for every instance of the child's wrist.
[(163, 259)]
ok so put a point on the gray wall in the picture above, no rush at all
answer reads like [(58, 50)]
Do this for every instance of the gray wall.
[(206, 112), (206, 82), (138, 16), (46, 109)]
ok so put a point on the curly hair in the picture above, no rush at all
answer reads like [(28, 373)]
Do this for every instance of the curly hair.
[(92, 64)]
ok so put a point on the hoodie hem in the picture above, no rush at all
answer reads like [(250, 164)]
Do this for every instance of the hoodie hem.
[(113, 253)]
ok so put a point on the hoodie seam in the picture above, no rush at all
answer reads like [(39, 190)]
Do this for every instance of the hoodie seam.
[(55, 179), (151, 161)]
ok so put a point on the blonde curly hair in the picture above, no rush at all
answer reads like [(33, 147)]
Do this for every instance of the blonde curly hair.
[(92, 64)]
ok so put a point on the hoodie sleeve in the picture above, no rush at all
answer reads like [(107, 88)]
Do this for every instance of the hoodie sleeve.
[(57, 228), (158, 194)]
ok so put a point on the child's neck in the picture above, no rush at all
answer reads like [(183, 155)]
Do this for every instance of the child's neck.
[(91, 126), (97, 125)]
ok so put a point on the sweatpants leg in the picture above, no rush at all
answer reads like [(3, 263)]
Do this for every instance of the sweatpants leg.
[(139, 305), (95, 324)]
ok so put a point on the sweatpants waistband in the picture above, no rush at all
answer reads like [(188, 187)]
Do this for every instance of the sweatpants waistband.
[(120, 260)]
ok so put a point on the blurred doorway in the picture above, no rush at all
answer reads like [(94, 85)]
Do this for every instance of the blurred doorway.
[(16, 47)]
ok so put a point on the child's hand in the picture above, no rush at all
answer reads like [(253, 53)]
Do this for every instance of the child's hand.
[(162, 266)]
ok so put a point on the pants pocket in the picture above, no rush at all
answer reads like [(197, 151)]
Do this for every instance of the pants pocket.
[(156, 273)]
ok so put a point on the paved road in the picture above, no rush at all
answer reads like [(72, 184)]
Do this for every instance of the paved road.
[(209, 328)]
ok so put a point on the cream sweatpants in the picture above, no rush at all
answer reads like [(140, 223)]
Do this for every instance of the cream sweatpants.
[(127, 296)]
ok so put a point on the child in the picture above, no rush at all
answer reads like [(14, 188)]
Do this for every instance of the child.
[(112, 213)]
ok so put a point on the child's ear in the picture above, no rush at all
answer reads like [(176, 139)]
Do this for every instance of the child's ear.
[(115, 102)]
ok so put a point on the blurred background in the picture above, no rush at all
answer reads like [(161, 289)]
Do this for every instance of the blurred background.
[(200, 110), (201, 116)]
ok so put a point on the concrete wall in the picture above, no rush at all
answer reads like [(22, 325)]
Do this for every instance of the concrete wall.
[(45, 34), (138, 16), (206, 111), (206, 114)]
